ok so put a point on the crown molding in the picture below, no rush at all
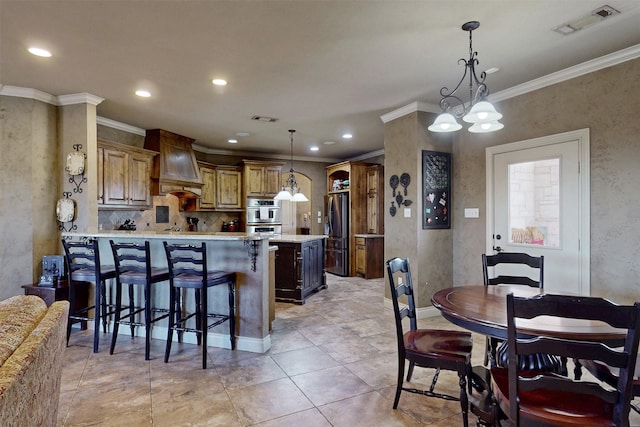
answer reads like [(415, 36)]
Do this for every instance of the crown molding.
[(120, 126), (591, 66), (26, 92), (408, 109), (219, 152), (587, 67), (79, 98), (38, 95), (367, 155)]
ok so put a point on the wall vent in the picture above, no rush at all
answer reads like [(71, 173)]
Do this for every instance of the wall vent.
[(597, 15)]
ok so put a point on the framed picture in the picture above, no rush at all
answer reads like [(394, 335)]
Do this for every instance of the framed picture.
[(436, 190)]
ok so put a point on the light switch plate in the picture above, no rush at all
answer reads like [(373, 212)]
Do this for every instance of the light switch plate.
[(407, 212), (472, 212)]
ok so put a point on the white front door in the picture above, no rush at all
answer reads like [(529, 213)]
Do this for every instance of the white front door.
[(538, 203)]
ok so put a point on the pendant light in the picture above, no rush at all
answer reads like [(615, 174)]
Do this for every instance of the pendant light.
[(290, 189), (479, 111)]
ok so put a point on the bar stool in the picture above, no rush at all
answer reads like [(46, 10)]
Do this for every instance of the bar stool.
[(83, 265), (188, 270), (133, 268)]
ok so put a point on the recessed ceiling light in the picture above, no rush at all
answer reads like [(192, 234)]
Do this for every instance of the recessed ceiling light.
[(39, 52), (347, 136), (143, 93), (219, 82), (232, 141), (314, 148), (329, 142), (492, 70), (242, 134)]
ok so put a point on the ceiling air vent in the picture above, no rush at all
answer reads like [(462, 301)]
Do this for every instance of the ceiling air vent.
[(595, 16), (264, 119)]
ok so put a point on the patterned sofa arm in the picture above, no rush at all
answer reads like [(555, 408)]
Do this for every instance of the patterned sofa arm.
[(30, 376)]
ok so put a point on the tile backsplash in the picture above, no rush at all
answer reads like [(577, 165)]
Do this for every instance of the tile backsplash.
[(146, 220)]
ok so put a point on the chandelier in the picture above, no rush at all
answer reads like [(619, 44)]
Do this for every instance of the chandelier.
[(479, 111), (290, 189)]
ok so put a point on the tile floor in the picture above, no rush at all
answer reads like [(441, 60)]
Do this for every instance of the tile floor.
[(332, 363)]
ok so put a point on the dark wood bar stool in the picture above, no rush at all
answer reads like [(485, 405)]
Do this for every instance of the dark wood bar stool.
[(133, 268), (188, 269), (83, 265)]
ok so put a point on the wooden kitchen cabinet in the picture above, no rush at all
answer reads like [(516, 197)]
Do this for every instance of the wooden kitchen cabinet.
[(125, 176), (208, 198), (351, 178), (299, 269), (228, 187), (369, 254), (375, 199), (262, 179), (221, 190)]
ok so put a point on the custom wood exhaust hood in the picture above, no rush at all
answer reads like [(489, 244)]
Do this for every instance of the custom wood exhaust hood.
[(175, 169)]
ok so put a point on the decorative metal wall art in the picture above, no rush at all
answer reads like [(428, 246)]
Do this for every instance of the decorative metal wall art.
[(436, 190), (66, 207), (404, 180), (75, 167)]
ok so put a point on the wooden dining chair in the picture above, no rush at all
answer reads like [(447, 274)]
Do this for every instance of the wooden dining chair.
[(610, 375), (426, 348), (499, 263), (535, 398)]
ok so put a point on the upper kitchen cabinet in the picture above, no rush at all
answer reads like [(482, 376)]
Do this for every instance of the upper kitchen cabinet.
[(262, 179), (124, 176), (208, 199), (175, 169), (375, 199), (228, 188), (221, 189)]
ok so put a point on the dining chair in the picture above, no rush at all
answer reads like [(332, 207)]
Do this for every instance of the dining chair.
[(83, 264), (610, 376), (536, 398), (133, 268), (499, 264), (426, 348), (188, 269)]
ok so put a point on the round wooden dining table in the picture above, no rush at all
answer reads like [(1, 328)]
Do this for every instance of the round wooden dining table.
[(483, 309)]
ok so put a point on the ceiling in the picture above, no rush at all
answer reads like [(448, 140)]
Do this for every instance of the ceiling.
[(321, 67)]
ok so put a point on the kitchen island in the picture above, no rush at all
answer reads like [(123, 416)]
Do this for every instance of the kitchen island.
[(299, 266), (245, 254)]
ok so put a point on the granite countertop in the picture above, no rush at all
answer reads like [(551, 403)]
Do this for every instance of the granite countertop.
[(295, 238), (369, 235), (197, 235), (182, 235)]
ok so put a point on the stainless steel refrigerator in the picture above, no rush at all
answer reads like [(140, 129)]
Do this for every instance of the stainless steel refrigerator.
[(337, 229)]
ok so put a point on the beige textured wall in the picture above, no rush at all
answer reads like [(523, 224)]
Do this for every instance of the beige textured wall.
[(429, 250), (29, 189), (77, 125), (607, 102)]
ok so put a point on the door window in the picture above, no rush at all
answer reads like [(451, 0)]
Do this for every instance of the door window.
[(534, 203)]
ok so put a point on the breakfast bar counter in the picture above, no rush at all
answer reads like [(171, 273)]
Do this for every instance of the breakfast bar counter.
[(245, 254)]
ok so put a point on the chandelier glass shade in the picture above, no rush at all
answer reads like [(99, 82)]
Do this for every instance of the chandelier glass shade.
[(478, 111), (290, 189)]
